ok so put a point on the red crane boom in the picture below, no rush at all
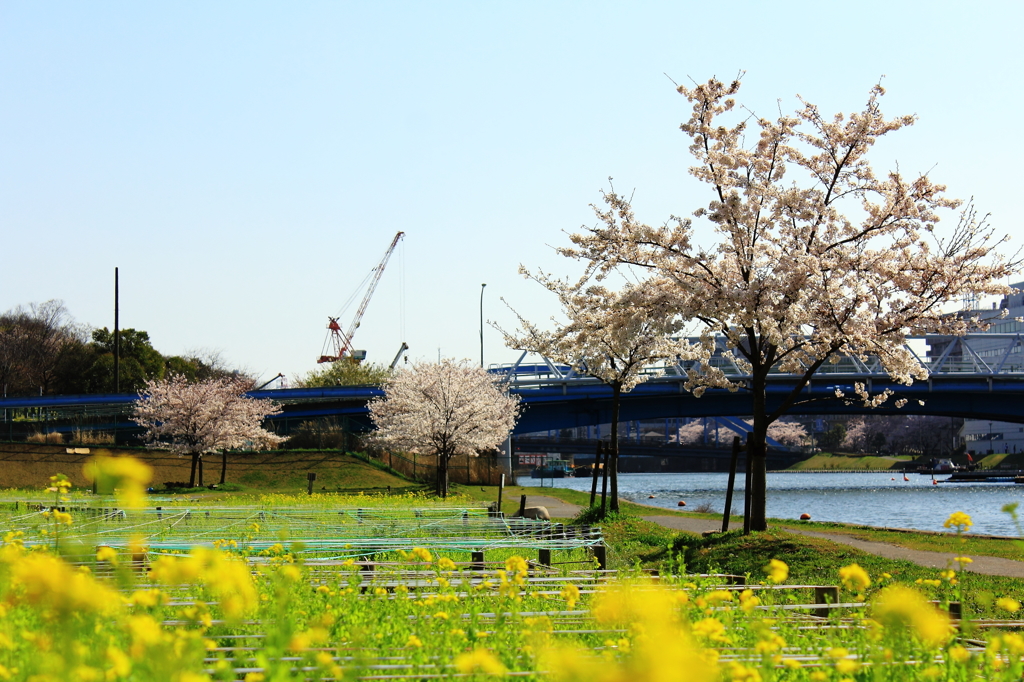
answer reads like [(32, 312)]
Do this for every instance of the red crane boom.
[(341, 341)]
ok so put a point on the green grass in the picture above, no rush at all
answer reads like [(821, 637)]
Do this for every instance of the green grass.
[(921, 540), (841, 462), (815, 561)]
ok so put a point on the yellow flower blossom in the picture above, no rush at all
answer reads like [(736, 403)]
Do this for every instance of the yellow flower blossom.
[(959, 520), (710, 629), (778, 571), (126, 476), (898, 607), (1008, 604), (571, 594), (445, 564), (719, 596), (413, 641), (748, 602), (52, 584), (479, 660), (854, 578), (421, 554), (105, 553), (958, 653)]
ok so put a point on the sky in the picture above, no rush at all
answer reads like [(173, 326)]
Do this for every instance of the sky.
[(246, 164)]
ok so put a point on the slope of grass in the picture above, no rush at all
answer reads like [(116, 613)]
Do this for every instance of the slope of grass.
[(815, 561), (840, 462)]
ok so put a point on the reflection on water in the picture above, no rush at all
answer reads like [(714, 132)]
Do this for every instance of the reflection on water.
[(882, 499)]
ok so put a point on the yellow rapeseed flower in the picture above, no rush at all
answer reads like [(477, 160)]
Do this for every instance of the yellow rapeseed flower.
[(1008, 604), (778, 571), (479, 660), (51, 583), (710, 629), (854, 578), (105, 553), (958, 653), (898, 606), (126, 476), (445, 564), (959, 520), (571, 594)]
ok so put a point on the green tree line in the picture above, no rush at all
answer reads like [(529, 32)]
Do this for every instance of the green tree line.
[(44, 351)]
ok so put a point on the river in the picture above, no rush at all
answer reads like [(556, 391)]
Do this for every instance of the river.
[(869, 499)]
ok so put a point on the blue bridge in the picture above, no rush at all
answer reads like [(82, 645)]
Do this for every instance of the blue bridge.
[(978, 376)]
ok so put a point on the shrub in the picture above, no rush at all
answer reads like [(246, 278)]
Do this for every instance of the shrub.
[(52, 438)]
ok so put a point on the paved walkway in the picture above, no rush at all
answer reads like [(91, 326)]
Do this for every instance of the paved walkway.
[(556, 507), (939, 560), (982, 564)]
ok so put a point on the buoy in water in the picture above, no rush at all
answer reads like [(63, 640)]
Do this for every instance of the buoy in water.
[(934, 482), (650, 497), (905, 478), (892, 479), (805, 517), (681, 503)]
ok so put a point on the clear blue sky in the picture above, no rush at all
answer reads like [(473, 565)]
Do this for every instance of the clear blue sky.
[(245, 164)]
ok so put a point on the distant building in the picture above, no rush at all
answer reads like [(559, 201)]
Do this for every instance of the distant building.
[(1004, 352)]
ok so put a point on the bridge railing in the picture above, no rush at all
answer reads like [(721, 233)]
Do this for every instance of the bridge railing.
[(977, 355)]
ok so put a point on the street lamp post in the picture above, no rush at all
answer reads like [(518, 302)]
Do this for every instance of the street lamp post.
[(482, 324)]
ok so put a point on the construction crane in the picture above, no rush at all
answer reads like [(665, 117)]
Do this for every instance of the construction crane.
[(340, 341), (398, 356)]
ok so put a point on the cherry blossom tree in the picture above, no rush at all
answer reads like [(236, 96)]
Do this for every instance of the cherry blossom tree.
[(445, 409), (816, 255), (613, 336), (788, 433), (785, 432), (691, 434), (197, 418)]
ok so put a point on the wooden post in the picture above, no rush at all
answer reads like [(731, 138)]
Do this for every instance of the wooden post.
[(477, 561), (501, 490), (747, 491), (310, 477), (732, 483), (601, 556), (593, 484), (544, 557), (825, 595), (522, 505)]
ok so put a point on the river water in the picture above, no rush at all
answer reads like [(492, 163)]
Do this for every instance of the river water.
[(869, 499)]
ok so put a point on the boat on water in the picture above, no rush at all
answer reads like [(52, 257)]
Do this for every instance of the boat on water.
[(554, 469)]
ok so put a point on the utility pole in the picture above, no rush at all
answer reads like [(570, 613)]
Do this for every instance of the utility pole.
[(482, 286), (117, 338)]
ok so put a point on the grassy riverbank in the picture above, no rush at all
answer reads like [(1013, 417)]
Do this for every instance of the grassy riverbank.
[(846, 462)]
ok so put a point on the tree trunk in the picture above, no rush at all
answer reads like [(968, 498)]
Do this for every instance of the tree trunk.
[(596, 473), (757, 451), (200, 471), (442, 476), (614, 453), (604, 482), (195, 464), (223, 467)]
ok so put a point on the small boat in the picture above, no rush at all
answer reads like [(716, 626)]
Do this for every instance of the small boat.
[(554, 469)]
